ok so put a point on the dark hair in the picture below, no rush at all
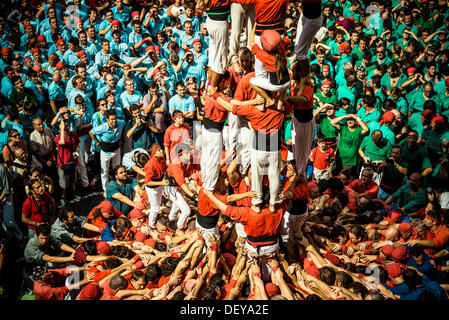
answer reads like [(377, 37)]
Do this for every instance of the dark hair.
[(90, 247), (137, 274), (337, 231), (63, 213), (122, 252), (168, 266), (142, 159), (313, 296), (160, 246), (357, 287), (335, 184), (217, 280), (112, 262), (375, 295), (416, 251), (358, 231), (327, 275), (434, 214), (179, 296), (210, 292), (118, 282), (152, 272), (110, 113), (43, 229), (411, 278)]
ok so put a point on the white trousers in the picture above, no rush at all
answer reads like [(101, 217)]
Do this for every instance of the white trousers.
[(178, 204), (240, 12), (305, 33), (265, 163), (320, 174), (265, 84), (240, 132), (259, 67), (302, 137), (218, 44), (212, 148), (288, 221), (215, 231), (155, 199), (106, 159)]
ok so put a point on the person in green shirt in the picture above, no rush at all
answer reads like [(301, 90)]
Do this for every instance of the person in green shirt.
[(352, 9), (360, 49), (415, 155), (398, 99), (329, 131), (410, 197), (436, 135), (374, 150), (325, 95), (393, 78), (394, 171), (368, 111), (350, 138), (68, 228), (426, 92), (443, 95)]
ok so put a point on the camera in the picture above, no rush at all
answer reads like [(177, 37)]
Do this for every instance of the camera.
[(389, 161)]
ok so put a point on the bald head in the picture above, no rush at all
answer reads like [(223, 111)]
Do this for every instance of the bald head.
[(392, 234), (38, 125)]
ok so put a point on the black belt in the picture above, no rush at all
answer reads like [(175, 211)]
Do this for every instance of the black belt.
[(207, 222), (110, 147), (210, 124), (154, 179), (219, 13), (298, 207), (262, 26), (267, 142), (303, 116), (285, 77), (261, 241)]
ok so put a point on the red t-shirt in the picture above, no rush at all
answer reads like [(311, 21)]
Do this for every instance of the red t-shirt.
[(268, 59), (30, 210), (53, 291), (66, 151), (174, 135), (213, 110), (321, 159), (154, 169), (371, 189), (180, 171), (244, 90), (206, 207), (241, 187)]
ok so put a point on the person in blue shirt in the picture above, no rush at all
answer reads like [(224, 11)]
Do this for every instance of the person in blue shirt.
[(108, 136), (419, 260), (56, 93), (79, 88), (135, 160), (137, 129), (188, 15), (190, 68), (122, 191), (182, 102), (200, 56), (6, 84), (155, 21), (130, 96), (104, 55), (121, 12)]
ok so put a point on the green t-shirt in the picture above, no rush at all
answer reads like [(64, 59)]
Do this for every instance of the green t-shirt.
[(348, 145), (392, 178), (327, 129), (331, 99), (410, 203), (376, 152), (434, 140), (417, 159)]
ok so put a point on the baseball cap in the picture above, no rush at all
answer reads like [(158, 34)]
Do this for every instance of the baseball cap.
[(404, 227), (326, 83), (272, 289), (53, 56), (60, 42), (270, 40), (394, 270), (345, 46), (399, 253), (103, 247), (36, 68), (135, 13), (35, 50)]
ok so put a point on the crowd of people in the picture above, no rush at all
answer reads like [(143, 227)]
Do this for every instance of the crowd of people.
[(240, 149)]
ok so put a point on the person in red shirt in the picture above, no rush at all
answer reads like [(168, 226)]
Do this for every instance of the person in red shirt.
[(211, 135), (365, 185), (265, 147), (181, 168), (67, 142), (38, 208), (176, 133), (154, 181), (322, 156), (101, 215), (303, 122), (49, 284), (241, 67), (262, 228)]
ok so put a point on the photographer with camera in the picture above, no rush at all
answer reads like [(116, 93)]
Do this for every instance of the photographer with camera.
[(394, 171), (137, 128)]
